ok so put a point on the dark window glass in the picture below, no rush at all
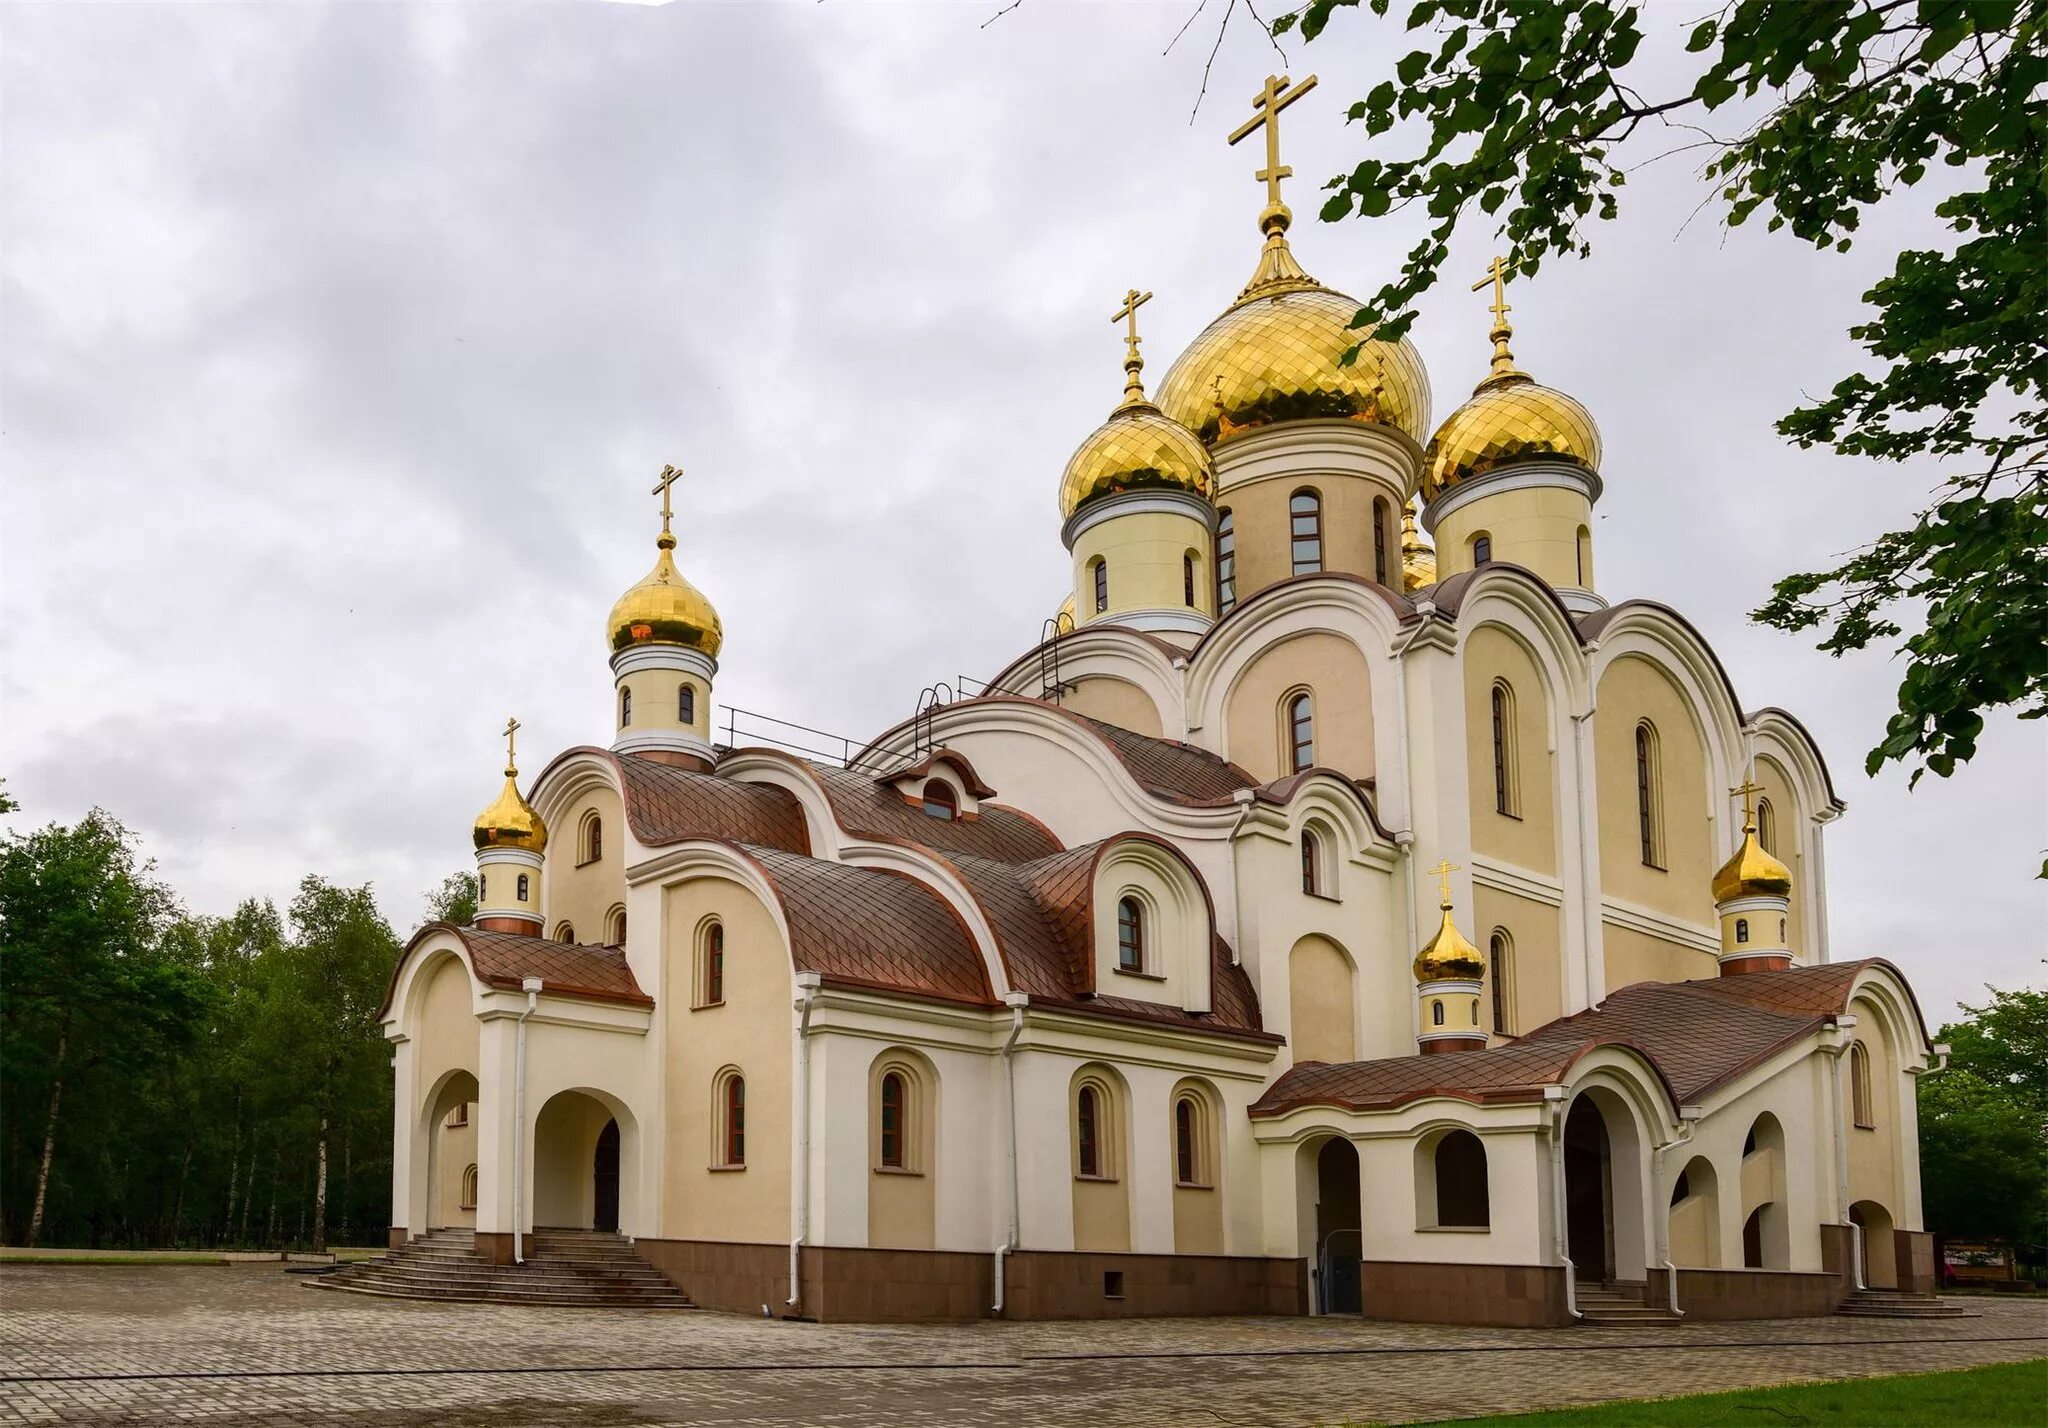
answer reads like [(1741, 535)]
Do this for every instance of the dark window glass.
[(625, 707), (1226, 563), (1101, 585), (1379, 541), (1305, 521), (619, 930), (1497, 955), (1503, 794), (1301, 733), (714, 963), (1086, 1131), (1130, 935), (523, 886), (1742, 929), (1766, 826), (736, 1121), (1436, 1013), (940, 800), (1482, 551), (686, 704), (1311, 859), (1646, 795), (1187, 579), (892, 1120), (1461, 1192), (1185, 1163)]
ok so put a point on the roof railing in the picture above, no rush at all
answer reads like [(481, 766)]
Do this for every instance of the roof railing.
[(748, 727), (1056, 629)]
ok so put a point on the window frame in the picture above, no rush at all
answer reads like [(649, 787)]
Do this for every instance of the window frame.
[(1507, 772), (1649, 796), (686, 703), (466, 1197), (729, 1114), (1482, 549), (1297, 538), (1099, 573), (892, 1122), (708, 976), (1194, 1140), (565, 933), (1766, 826), (523, 886), (1500, 970), (938, 795), (1311, 864), (1130, 935), (625, 706), (589, 838), (1380, 512), (615, 924), (1862, 1106), (1187, 579), (1095, 1111), (1298, 724), (1226, 561)]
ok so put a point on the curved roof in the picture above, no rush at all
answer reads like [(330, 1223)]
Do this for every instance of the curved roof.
[(505, 959), (873, 809), (666, 804)]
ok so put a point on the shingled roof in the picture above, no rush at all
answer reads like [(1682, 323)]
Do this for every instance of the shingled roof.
[(505, 959), (1696, 1035), (667, 804)]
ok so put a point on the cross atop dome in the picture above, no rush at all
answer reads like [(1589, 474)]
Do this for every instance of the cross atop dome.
[(1134, 389), (1267, 104), (1503, 369)]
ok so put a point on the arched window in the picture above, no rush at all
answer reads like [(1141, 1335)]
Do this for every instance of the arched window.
[(1859, 1086), (1301, 733), (564, 932), (894, 1098), (1311, 863), (686, 704), (939, 800), (1649, 796), (1781, 932), (1482, 550), (1742, 929), (711, 965), (483, 888), (625, 706), (618, 926), (731, 1109), (1130, 935), (1583, 551), (1191, 1141), (1226, 562), (460, 1117), (1088, 1131), (1500, 965), (1436, 1013), (469, 1188), (1187, 578), (525, 885), (1507, 791), (1099, 571), (1766, 825), (1379, 541), (1305, 523), (591, 842), (1461, 1192)]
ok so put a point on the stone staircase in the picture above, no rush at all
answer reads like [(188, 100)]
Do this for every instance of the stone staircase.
[(1617, 1305), (563, 1268), (1895, 1304)]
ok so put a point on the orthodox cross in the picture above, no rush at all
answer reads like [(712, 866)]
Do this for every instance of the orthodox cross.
[(1133, 300), (1497, 273), (1749, 787), (669, 476), (1269, 101), (1444, 870), (511, 759)]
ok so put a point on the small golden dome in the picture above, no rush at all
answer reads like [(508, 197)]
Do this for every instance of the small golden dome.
[(1418, 556), (1448, 957), (1752, 872), (510, 821), (665, 609), (1277, 355), (1137, 449)]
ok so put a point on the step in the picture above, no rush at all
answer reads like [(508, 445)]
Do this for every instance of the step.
[(545, 1301)]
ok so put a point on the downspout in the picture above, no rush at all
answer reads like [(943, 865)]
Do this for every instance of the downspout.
[(1688, 1120), (807, 984), (1840, 1051), (531, 986), (1016, 1001), (1553, 1103)]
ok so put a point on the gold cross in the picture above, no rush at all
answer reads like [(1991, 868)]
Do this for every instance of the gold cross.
[(1269, 101), (511, 759), (1749, 786), (669, 476), (1444, 870), (1133, 300), (1497, 273)]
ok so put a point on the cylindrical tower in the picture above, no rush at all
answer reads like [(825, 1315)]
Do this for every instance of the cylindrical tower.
[(510, 839), (1753, 900), (664, 637)]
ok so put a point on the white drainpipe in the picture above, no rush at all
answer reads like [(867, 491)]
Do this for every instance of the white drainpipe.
[(1840, 1050), (1688, 1120), (1554, 1103), (807, 984), (1016, 1001), (531, 986)]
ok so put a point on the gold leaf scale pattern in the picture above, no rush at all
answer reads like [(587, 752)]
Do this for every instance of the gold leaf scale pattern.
[(1510, 422), (1137, 449)]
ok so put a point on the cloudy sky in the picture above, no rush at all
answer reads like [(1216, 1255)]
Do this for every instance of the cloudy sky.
[(340, 345)]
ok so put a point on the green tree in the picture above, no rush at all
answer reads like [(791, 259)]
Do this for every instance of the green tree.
[(454, 901), (1984, 1123), (1525, 115)]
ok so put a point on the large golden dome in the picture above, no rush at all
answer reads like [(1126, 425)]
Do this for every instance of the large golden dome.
[(1278, 353), (665, 609), (1137, 449), (1448, 957), (510, 821), (1508, 421)]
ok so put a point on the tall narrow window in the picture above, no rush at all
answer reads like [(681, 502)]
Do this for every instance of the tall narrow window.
[(1648, 823), (1742, 929), (1482, 550), (686, 704), (714, 964), (892, 1120), (524, 885), (1088, 1131), (592, 839), (1766, 825), (1311, 864), (1305, 523), (735, 1117), (483, 888), (469, 1188), (1379, 541), (1436, 1013), (1859, 1086), (1130, 935), (1507, 793), (1186, 1163), (1584, 554), (1301, 733), (625, 706), (1100, 567), (1187, 578), (619, 927), (1500, 959), (1226, 562)]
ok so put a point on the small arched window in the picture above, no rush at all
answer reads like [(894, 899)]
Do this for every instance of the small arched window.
[(592, 840), (732, 1120), (1859, 1086), (1226, 561), (686, 704), (1088, 1131), (1742, 929), (1379, 541), (565, 932), (1583, 551), (1766, 825), (1099, 569), (525, 884), (1191, 1140), (1311, 863), (1781, 932), (1301, 733), (625, 706), (483, 888), (1436, 1013), (1507, 792), (1649, 798), (469, 1188), (1187, 578), (1130, 935), (711, 965), (1500, 965), (1482, 550), (894, 1098), (939, 800), (1305, 525), (618, 920), (1461, 1191)]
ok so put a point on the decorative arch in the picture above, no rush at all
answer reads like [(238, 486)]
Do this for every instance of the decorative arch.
[(1297, 730), (1695, 1210), (1322, 996), (1098, 1110), (1451, 1181), (1195, 1124), (903, 1118), (590, 837), (1766, 1226), (729, 1119), (615, 925), (1174, 924)]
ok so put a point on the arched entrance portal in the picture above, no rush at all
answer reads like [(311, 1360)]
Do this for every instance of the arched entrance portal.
[(605, 1174), (1588, 1191), (448, 1129), (1880, 1258), (584, 1151), (1339, 1242)]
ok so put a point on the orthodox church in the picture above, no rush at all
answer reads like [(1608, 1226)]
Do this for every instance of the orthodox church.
[(1317, 919)]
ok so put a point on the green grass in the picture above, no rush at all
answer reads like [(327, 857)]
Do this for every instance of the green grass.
[(1962, 1398)]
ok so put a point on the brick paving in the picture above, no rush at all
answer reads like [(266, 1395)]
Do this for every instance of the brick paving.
[(253, 1346)]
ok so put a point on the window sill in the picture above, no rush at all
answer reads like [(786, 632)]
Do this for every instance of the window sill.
[(1322, 896), (724, 1169), (899, 1170), (706, 1006), (1860, 1125), (1454, 1229), (586, 862), (1505, 814), (1192, 1185), (1097, 1179), (1141, 976)]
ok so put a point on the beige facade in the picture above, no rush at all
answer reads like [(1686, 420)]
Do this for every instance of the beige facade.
[(1332, 673)]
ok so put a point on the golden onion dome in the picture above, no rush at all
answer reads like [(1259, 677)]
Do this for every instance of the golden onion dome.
[(1137, 449), (1510, 419), (1277, 353), (665, 609), (1448, 957), (1418, 556), (510, 821), (1752, 872)]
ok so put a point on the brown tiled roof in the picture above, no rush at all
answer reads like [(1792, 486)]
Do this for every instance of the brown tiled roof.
[(1170, 769), (873, 928), (875, 810), (506, 959), (1697, 1035), (667, 804)]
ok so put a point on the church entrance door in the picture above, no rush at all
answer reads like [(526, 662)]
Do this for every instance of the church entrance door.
[(606, 1171), (1588, 1202), (1340, 1244)]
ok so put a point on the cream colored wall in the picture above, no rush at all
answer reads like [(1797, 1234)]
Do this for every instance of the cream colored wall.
[(580, 894), (1102, 1204), (752, 1030), (1635, 956), (656, 702), (1537, 971), (1790, 849), (1696, 1220), (1115, 701), (565, 1133), (447, 1036), (902, 1202), (1334, 671), (1528, 840), (1630, 691), (1874, 1160), (1175, 925), (1264, 541), (1534, 527), (455, 1153), (1198, 1206), (1144, 551), (1321, 992)]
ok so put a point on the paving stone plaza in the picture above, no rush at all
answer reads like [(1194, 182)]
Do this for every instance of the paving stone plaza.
[(252, 1345)]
